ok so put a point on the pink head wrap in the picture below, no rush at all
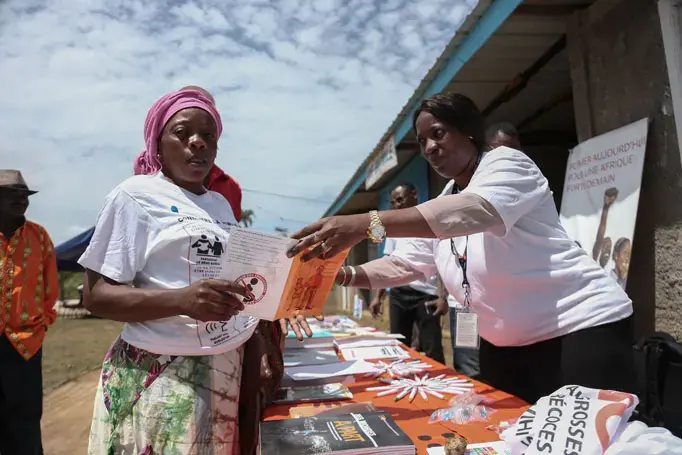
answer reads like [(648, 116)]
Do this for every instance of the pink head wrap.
[(159, 114)]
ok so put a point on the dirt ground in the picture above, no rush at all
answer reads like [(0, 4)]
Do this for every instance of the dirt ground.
[(66, 416), (74, 347), (72, 357)]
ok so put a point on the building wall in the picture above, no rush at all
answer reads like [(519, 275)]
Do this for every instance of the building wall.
[(627, 80)]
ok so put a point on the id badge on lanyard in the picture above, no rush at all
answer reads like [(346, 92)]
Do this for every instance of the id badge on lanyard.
[(466, 322), (466, 328)]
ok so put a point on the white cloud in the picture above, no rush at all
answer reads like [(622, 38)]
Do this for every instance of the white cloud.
[(306, 89)]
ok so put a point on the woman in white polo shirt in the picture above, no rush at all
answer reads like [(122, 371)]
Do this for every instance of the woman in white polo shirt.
[(547, 314)]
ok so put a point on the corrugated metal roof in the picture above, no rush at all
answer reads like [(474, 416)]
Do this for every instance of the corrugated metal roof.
[(462, 32)]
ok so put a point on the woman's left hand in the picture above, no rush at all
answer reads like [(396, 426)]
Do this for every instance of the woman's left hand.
[(331, 235), (297, 323)]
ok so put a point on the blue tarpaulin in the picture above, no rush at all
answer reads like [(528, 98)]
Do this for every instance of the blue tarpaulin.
[(69, 252)]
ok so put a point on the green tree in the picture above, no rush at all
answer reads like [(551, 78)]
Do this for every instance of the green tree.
[(247, 217)]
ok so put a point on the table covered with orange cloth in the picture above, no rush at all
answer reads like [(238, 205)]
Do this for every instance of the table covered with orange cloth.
[(413, 417)]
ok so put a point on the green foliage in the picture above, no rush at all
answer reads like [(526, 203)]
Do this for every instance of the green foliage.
[(70, 282), (247, 217)]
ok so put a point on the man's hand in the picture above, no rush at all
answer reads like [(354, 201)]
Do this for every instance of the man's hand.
[(376, 308), (441, 305), (297, 323)]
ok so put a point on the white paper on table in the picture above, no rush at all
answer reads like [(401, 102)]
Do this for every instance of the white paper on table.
[(345, 343), (258, 260), (304, 373), (374, 352), (493, 448)]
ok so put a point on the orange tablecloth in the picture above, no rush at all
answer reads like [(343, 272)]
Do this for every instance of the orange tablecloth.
[(413, 417)]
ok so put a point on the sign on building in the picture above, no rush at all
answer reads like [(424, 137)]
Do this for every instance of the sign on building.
[(384, 162), (601, 195)]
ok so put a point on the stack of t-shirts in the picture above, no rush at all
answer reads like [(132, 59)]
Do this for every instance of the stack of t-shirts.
[(348, 434)]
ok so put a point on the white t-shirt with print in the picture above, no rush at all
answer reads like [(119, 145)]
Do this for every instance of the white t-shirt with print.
[(452, 302), (155, 235), (427, 285), (529, 282)]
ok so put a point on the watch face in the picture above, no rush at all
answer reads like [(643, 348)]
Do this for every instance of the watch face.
[(378, 232)]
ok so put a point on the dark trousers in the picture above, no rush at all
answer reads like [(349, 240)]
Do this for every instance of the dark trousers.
[(406, 308), (464, 360), (599, 357), (21, 401)]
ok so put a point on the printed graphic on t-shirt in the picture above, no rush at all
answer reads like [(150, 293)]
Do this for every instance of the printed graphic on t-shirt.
[(206, 247), (215, 333)]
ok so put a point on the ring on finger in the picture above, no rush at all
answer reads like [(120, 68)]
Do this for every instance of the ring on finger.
[(325, 248)]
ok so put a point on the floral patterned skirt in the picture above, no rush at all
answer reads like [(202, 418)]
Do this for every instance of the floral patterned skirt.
[(178, 405)]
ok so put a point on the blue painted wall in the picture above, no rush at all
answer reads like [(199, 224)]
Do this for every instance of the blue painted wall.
[(415, 172)]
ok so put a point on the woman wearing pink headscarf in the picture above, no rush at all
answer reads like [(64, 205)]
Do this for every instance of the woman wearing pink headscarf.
[(171, 381)]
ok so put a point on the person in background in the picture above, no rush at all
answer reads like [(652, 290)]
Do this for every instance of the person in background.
[(29, 289), (416, 302), (547, 314), (502, 134)]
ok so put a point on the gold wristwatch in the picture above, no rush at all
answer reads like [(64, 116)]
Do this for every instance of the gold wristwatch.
[(376, 231)]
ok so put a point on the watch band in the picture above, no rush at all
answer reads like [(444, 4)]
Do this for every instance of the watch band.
[(376, 230), (374, 218)]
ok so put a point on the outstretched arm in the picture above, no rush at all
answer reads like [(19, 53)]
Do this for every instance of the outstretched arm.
[(610, 196), (444, 217), (502, 191)]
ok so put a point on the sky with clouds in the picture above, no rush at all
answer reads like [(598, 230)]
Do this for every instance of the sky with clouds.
[(306, 89)]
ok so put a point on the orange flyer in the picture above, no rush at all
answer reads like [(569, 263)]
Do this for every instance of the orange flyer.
[(308, 286), (277, 286)]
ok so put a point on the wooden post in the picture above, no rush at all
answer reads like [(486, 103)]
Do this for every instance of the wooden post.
[(671, 30), (582, 106)]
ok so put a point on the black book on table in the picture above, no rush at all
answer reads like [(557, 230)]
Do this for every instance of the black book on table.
[(351, 434)]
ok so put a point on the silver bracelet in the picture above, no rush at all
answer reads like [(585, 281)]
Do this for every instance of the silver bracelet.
[(352, 276), (343, 281)]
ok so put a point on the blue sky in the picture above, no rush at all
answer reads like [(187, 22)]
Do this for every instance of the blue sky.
[(306, 88)]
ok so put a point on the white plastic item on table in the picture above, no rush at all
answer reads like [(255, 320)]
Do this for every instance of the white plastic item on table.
[(638, 439)]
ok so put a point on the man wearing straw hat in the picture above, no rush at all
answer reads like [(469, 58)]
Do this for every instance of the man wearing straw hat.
[(28, 291)]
